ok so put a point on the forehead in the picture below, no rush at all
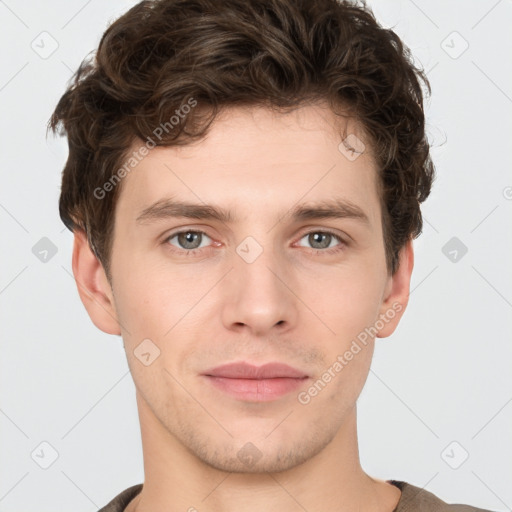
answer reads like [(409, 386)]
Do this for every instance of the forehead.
[(261, 159), (281, 132)]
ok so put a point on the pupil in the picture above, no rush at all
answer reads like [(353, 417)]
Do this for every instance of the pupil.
[(188, 239), (317, 237)]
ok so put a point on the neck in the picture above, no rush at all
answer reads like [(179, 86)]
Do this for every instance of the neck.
[(176, 479)]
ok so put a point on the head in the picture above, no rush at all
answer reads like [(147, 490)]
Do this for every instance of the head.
[(249, 110)]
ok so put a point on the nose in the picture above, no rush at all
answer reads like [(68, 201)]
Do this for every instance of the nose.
[(258, 294)]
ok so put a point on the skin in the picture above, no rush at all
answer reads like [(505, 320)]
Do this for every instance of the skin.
[(295, 304)]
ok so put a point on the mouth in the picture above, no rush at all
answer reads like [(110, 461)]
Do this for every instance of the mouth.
[(251, 383)]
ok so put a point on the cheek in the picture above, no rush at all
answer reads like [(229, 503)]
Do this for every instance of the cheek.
[(151, 300), (336, 389), (345, 300)]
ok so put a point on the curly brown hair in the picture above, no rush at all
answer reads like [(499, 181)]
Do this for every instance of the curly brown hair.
[(280, 54)]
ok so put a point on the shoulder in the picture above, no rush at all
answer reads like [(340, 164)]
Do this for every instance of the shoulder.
[(119, 503), (416, 499)]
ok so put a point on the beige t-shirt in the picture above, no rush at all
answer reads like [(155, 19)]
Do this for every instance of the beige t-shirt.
[(413, 499)]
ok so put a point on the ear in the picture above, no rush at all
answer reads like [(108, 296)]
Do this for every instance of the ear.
[(396, 295), (93, 286)]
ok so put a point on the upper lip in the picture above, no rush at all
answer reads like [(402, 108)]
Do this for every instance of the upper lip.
[(249, 371)]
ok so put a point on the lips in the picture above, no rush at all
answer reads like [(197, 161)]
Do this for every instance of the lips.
[(249, 383), (248, 371)]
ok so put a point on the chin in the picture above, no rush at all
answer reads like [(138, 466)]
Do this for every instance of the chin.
[(257, 462), (270, 454)]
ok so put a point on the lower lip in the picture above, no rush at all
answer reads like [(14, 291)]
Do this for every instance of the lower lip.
[(254, 390)]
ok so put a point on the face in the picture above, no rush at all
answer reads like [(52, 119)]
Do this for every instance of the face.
[(272, 280)]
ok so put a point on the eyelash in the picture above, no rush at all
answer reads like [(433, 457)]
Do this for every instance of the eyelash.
[(316, 252)]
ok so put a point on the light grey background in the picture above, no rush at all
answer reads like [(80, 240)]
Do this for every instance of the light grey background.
[(443, 377)]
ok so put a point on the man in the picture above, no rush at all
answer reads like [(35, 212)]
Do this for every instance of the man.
[(244, 184)]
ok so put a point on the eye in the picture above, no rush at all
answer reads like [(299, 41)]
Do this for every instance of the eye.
[(188, 240), (191, 241), (322, 240)]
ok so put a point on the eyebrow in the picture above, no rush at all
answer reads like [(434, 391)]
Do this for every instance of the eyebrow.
[(326, 209)]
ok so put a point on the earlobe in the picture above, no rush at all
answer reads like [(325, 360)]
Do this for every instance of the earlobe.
[(397, 292), (93, 286)]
